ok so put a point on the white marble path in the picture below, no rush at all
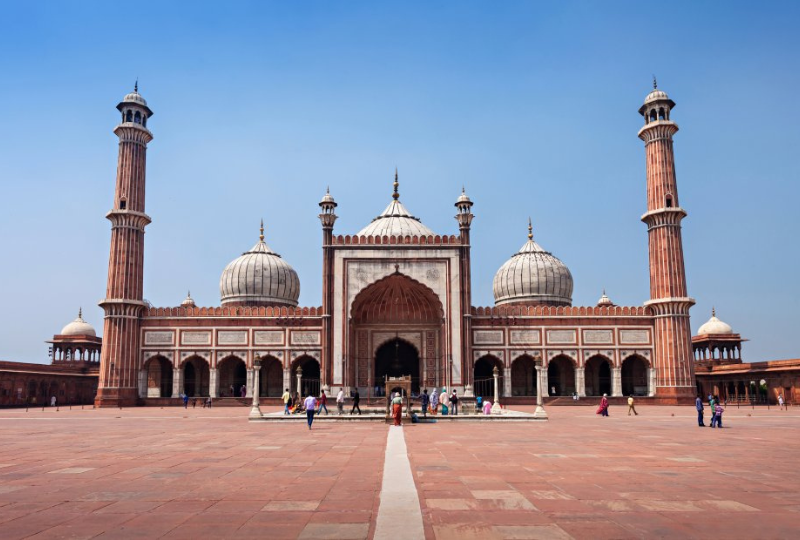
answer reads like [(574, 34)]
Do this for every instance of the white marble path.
[(399, 512)]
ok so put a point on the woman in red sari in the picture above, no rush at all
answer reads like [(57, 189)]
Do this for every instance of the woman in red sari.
[(602, 410), (397, 409)]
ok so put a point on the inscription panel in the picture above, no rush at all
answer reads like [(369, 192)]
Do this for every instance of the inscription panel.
[(598, 336), (228, 337), (525, 336), (634, 336), (305, 338), (561, 336), (488, 337), (268, 337), (196, 338), (159, 338)]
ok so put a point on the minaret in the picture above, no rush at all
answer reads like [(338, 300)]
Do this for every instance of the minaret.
[(123, 304), (464, 218), (668, 297), (327, 217)]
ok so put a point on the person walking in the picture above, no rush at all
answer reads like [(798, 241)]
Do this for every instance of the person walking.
[(323, 400), (356, 400), (244, 391), (287, 400), (717, 418), (425, 401), (434, 401), (780, 402), (310, 404), (454, 402), (602, 410), (698, 403), (185, 401), (397, 409), (340, 402), (711, 407), (631, 407)]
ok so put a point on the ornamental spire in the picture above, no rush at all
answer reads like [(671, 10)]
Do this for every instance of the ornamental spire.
[(261, 235), (713, 311), (396, 195), (530, 229), (80, 312), (655, 83), (136, 85)]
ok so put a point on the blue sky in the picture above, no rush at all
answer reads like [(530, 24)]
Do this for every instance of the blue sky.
[(529, 105)]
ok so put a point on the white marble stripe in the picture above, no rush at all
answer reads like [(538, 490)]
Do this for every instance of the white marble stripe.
[(399, 514)]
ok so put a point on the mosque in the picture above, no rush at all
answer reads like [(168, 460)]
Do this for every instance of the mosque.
[(396, 301)]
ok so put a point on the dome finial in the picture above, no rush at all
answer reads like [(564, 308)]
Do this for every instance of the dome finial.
[(80, 312), (713, 311), (396, 195), (655, 82), (530, 229), (261, 235), (136, 85)]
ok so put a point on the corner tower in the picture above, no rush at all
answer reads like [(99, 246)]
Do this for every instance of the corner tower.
[(123, 304), (668, 296)]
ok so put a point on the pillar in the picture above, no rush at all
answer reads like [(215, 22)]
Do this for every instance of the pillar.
[(213, 382), (651, 382), (616, 381), (143, 383), (177, 382), (299, 375), (539, 413), (248, 384), (580, 381), (255, 410)]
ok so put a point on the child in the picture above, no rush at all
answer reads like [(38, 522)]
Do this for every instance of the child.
[(718, 410)]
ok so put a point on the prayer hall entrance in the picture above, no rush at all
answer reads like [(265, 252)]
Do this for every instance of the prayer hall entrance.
[(396, 329), (397, 358)]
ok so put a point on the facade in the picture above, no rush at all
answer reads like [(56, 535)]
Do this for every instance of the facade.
[(396, 301)]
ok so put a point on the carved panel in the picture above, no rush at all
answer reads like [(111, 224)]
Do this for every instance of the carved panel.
[(362, 358), (430, 358), (598, 336), (159, 338), (488, 337), (525, 336), (228, 337), (304, 338), (561, 336), (268, 337), (634, 336), (196, 338)]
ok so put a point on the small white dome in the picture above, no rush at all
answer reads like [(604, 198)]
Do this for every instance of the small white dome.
[(259, 277), (78, 327), (605, 301), (533, 276), (463, 198), (327, 198), (714, 326), (656, 95), (188, 301), (135, 97)]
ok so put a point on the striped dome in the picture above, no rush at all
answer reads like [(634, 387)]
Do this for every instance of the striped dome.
[(260, 277), (533, 276)]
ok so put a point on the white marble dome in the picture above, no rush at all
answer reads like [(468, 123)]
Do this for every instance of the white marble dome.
[(656, 95), (135, 97), (533, 276), (714, 327), (78, 327), (259, 277), (396, 220)]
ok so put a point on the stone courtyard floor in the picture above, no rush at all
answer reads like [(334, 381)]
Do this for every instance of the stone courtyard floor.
[(199, 473)]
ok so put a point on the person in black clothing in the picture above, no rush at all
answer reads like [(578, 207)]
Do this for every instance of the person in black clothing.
[(425, 399), (356, 399)]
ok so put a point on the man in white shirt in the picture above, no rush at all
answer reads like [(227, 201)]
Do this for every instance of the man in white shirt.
[(340, 401), (310, 404)]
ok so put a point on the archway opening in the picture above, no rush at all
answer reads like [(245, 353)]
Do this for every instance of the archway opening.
[(598, 376), (310, 375), (195, 377), (483, 380), (397, 358), (523, 376), (232, 377), (561, 376), (159, 377), (270, 379), (634, 376)]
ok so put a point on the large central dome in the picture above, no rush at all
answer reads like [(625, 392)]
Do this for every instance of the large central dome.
[(533, 276), (396, 220), (259, 278)]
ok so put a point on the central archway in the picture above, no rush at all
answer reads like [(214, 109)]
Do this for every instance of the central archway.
[(397, 358)]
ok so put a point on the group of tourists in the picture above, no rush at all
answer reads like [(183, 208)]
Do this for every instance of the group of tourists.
[(430, 403), (716, 411)]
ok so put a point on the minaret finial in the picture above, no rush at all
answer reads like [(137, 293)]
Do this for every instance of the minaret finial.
[(713, 311), (136, 85), (80, 312), (396, 195), (530, 229), (261, 235), (655, 82), (188, 293), (328, 190)]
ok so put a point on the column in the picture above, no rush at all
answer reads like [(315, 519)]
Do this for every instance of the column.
[(255, 410), (299, 374), (177, 382), (580, 381), (213, 382), (540, 413), (616, 382), (142, 383), (507, 382), (545, 382), (287, 378), (651, 382), (496, 405)]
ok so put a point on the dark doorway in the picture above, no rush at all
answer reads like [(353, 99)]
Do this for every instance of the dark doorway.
[(598, 376), (397, 358), (634, 376), (560, 377), (189, 379)]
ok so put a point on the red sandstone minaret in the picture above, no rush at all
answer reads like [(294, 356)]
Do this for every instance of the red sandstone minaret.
[(123, 304), (327, 217), (464, 218), (668, 297)]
